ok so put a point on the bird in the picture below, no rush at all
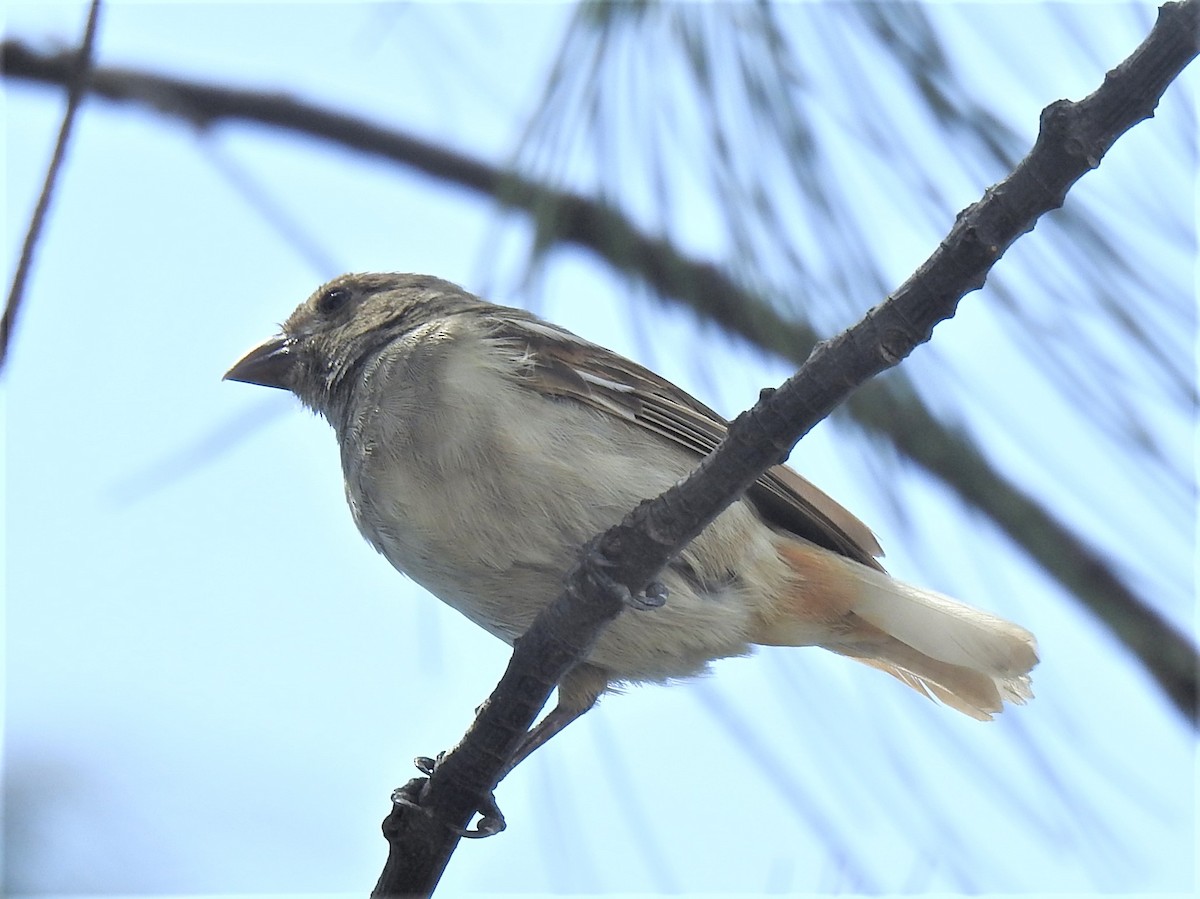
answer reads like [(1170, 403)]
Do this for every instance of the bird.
[(482, 446)]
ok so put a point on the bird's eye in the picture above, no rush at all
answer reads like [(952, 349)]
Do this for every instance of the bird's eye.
[(332, 300)]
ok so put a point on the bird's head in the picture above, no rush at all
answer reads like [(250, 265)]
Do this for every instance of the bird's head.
[(342, 327)]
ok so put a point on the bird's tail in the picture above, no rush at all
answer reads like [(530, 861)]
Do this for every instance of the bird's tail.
[(968, 659)]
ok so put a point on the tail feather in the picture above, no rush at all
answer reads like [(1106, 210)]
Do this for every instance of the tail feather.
[(972, 692), (966, 658), (943, 628)]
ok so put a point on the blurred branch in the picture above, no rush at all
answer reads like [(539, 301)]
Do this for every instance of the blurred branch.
[(794, 130), (429, 814), (81, 61), (891, 409)]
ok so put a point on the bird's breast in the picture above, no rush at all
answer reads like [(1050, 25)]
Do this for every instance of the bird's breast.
[(483, 491), (482, 486)]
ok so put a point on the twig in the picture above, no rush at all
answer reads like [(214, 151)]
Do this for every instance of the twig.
[(1073, 138), (890, 409), (77, 88)]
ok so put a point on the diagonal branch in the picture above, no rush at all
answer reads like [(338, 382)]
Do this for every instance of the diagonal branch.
[(76, 81), (891, 409), (1072, 140)]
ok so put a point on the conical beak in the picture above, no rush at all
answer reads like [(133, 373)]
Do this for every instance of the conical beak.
[(268, 364)]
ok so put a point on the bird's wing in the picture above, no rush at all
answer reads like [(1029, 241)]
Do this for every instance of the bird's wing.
[(560, 364)]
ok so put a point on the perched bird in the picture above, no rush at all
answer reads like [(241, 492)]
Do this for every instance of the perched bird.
[(482, 446)]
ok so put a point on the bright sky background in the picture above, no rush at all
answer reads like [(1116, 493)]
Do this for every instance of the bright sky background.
[(212, 682)]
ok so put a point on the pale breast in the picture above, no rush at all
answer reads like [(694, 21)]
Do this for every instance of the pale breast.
[(483, 491)]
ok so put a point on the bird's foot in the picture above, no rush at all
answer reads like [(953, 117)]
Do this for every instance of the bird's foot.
[(491, 819), (653, 597), (595, 565)]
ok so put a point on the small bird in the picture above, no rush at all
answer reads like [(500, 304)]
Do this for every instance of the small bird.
[(482, 446)]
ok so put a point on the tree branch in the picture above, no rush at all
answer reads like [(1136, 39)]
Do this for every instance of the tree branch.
[(1072, 140), (887, 409), (76, 79)]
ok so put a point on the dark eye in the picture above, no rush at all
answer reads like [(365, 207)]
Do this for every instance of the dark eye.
[(333, 299)]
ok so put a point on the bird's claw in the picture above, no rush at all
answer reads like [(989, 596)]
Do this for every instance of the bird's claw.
[(653, 597), (491, 819), (409, 794), (595, 567), (426, 765)]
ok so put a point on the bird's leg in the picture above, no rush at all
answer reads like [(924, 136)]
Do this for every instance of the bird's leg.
[(577, 694), (554, 721)]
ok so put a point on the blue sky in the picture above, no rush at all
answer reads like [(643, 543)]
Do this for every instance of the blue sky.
[(212, 683)]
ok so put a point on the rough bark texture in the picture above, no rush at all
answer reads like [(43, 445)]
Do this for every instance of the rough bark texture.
[(422, 833), (890, 410), (1072, 140)]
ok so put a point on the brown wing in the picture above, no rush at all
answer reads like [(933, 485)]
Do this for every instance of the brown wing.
[(563, 365)]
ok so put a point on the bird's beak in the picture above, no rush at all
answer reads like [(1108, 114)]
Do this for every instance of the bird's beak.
[(268, 364)]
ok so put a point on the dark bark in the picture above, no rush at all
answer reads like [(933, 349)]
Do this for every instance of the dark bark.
[(890, 409), (422, 833), (1072, 140)]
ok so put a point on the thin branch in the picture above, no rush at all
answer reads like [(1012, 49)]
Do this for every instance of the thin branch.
[(890, 409), (422, 831), (76, 88)]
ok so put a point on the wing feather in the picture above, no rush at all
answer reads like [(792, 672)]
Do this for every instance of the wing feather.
[(562, 365)]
